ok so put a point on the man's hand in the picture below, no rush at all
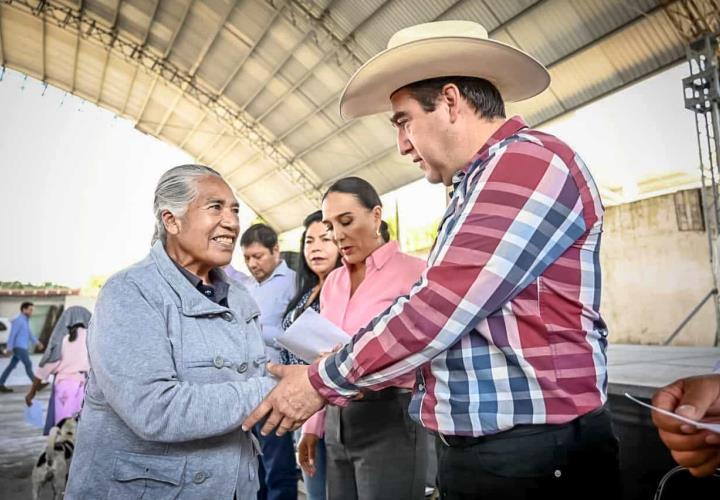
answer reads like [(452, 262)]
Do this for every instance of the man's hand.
[(39, 346), (306, 453), (290, 403), (697, 398)]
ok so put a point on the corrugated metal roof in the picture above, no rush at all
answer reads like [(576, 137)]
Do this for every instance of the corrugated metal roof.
[(251, 86)]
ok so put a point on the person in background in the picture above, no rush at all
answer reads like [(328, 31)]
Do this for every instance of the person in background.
[(177, 360), (67, 359), (319, 256), (374, 450), (697, 398), (19, 342), (273, 288), (239, 276)]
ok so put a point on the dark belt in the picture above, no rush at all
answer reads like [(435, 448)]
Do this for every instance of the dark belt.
[(384, 394), (517, 431)]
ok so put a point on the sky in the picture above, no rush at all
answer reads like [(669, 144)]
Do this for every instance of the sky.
[(639, 132), (76, 182), (76, 186)]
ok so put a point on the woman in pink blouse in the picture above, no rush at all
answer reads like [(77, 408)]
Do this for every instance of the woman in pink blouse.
[(67, 359), (373, 448)]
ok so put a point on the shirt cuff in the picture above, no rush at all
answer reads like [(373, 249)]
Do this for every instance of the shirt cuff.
[(315, 424), (328, 393)]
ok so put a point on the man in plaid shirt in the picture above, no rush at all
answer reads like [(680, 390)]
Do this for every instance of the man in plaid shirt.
[(503, 329)]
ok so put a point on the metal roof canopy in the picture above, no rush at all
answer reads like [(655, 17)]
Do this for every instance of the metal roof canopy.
[(251, 87)]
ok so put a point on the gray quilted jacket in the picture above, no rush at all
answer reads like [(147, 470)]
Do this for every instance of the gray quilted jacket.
[(172, 377)]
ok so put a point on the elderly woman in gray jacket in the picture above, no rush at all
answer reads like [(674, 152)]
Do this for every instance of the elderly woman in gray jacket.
[(177, 360)]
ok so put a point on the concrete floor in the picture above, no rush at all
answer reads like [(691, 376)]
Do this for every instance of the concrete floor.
[(639, 370), (20, 443), (642, 369)]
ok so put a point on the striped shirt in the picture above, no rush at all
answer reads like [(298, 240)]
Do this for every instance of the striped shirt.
[(504, 326)]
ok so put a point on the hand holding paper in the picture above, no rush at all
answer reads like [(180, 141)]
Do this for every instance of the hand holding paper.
[(687, 414), (312, 336), (294, 399), (698, 424)]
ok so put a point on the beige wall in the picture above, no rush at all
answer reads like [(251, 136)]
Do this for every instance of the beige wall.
[(653, 275)]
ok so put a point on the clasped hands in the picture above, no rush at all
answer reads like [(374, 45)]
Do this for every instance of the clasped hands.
[(289, 404)]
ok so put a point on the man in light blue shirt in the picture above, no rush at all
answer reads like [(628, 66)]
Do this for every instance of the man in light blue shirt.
[(240, 277), (20, 340), (274, 283), (273, 288)]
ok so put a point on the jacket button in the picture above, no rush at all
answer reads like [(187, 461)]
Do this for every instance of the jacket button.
[(199, 477), (242, 368), (227, 316), (219, 362)]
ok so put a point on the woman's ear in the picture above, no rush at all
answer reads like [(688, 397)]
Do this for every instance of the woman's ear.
[(377, 219), (171, 223), (377, 214)]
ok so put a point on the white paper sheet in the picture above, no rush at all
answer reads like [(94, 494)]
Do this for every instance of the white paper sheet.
[(699, 425), (310, 335)]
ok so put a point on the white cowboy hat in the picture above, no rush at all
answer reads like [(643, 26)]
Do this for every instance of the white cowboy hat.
[(443, 48)]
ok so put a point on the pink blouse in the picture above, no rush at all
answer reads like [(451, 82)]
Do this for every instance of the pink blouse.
[(74, 362), (389, 274)]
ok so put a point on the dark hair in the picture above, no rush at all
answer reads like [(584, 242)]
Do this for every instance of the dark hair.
[(482, 95), (305, 278), (366, 195), (259, 233), (25, 305), (72, 329)]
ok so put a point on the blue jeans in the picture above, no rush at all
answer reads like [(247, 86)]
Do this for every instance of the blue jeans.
[(315, 485), (18, 356), (277, 471)]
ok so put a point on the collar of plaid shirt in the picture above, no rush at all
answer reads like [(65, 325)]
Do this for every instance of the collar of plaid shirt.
[(504, 325), (507, 129)]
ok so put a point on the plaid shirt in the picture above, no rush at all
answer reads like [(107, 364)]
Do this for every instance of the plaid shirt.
[(504, 325)]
